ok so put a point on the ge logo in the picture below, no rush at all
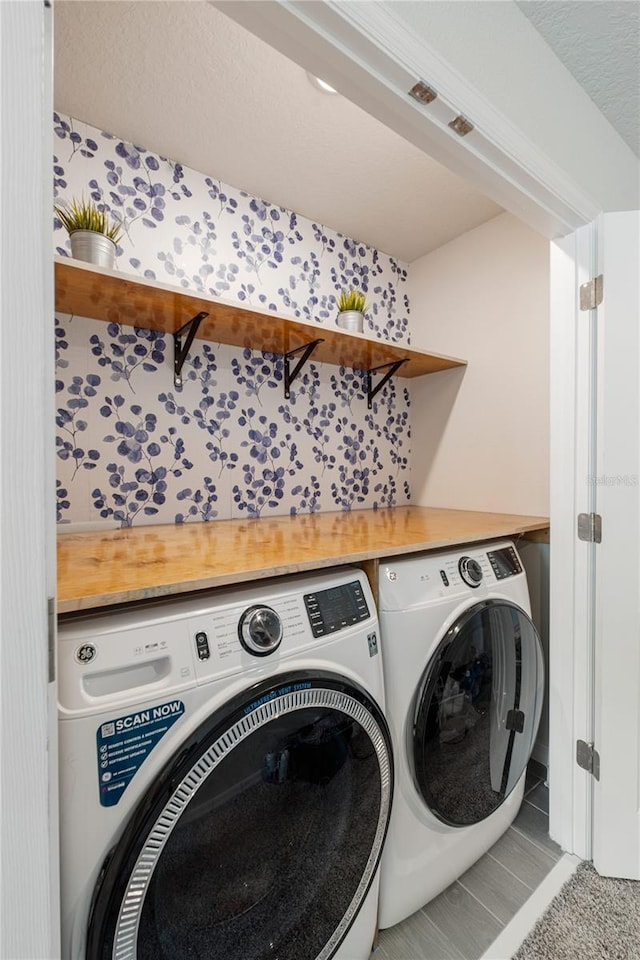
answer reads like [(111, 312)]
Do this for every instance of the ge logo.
[(392, 575), (86, 653)]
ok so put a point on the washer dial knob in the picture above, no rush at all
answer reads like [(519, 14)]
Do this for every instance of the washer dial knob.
[(470, 571), (260, 630)]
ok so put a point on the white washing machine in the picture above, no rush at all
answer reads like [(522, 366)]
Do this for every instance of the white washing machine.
[(464, 686), (226, 775)]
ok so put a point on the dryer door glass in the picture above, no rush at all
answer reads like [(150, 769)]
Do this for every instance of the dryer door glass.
[(261, 839), (477, 712)]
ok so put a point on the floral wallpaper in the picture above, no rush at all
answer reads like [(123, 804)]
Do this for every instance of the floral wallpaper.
[(132, 448)]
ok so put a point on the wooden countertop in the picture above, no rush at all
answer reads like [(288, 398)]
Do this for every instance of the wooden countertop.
[(100, 569)]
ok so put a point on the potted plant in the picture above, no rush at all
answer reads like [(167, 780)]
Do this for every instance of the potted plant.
[(92, 233), (351, 306)]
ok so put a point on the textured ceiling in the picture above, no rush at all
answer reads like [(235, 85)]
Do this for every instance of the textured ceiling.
[(185, 81), (599, 43)]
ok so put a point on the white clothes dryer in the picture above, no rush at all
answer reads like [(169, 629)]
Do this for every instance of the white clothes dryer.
[(226, 775), (464, 682)]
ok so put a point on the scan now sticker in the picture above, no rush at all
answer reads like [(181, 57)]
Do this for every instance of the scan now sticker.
[(125, 743)]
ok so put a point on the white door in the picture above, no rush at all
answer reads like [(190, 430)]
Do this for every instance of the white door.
[(595, 589), (616, 795)]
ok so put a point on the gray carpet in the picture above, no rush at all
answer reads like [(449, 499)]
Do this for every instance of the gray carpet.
[(592, 918)]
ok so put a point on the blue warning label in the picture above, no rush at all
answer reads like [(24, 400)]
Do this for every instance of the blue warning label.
[(125, 743)]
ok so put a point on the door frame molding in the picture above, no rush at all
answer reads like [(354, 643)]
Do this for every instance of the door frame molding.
[(572, 598)]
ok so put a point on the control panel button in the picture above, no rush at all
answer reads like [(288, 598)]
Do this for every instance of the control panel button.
[(470, 571), (445, 578), (260, 630), (202, 646)]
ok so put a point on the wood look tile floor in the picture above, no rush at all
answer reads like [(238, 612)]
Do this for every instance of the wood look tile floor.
[(466, 918)]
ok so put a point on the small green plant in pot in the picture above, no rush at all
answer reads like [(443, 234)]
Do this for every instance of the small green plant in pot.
[(93, 234), (351, 307)]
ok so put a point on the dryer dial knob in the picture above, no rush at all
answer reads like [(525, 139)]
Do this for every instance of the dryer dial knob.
[(470, 571), (260, 630)]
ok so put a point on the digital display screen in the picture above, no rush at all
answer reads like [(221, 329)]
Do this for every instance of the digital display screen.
[(504, 563), (338, 607)]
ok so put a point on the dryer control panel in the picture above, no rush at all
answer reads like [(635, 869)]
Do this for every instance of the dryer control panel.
[(433, 576), (504, 562), (336, 608)]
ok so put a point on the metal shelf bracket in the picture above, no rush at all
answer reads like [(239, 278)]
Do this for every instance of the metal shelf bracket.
[(391, 368), (290, 375), (180, 351)]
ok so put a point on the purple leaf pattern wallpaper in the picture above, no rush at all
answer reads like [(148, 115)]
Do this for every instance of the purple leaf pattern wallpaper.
[(132, 448)]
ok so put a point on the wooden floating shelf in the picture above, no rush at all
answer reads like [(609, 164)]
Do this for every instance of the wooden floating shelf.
[(90, 291)]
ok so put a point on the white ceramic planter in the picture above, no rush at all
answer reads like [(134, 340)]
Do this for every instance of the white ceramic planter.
[(93, 247), (351, 320)]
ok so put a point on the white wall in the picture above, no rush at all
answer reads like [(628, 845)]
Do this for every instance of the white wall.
[(481, 435)]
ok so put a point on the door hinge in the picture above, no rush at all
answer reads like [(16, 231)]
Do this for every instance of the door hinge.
[(591, 293), (590, 527), (588, 758)]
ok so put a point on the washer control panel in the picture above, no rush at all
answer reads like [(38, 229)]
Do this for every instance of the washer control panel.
[(504, 563), (336, 608), (167, 646)]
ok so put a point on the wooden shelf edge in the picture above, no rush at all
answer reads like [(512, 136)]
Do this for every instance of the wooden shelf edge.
[(87, 290), (113, 567)]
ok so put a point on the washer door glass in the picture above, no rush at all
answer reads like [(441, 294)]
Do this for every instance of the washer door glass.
[(477, 712), (261, 839)]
